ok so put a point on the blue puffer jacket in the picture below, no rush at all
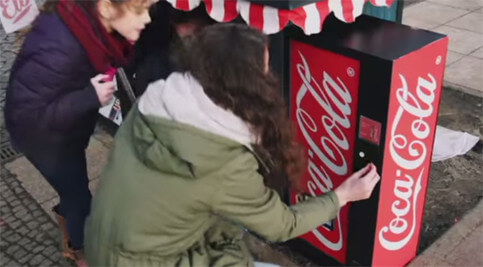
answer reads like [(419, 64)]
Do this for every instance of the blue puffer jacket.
[(49, 96)]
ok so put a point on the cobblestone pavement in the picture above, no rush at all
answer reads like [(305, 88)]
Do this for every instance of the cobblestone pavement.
[(28, 236), (7, 56), (9, 45)]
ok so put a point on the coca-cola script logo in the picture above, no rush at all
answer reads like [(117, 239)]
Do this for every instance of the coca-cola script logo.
[(408, 151), (334, 99), (16, 14), (323, 107)]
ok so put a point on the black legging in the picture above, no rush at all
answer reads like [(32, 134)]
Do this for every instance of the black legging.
[(64, 167)]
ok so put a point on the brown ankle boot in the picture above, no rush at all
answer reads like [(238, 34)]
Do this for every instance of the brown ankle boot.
[(62, 227), (80, 259), (75, 255), (67, 252)]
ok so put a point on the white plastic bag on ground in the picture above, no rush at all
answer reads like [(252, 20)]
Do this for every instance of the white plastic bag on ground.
[(449, 143)]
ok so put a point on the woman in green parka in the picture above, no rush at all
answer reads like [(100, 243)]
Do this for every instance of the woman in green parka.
[(186, 174)]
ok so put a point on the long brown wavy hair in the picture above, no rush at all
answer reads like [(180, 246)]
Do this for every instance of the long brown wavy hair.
[(229, 62)]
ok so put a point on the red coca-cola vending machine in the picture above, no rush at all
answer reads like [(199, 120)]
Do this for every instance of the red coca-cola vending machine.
[(365, 92)]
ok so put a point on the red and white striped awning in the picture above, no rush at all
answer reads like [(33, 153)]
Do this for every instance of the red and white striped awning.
[(271, 20)]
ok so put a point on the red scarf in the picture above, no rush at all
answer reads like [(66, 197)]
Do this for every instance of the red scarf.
[(103, 49)]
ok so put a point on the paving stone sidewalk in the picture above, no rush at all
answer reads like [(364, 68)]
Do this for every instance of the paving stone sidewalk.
[(462, 22), (28, 236)]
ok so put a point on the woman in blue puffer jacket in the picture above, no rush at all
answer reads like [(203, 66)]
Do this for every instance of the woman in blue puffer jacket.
[(57, 85)]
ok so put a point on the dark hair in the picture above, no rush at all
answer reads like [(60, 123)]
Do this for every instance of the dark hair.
[(197, 16), (229, 62)]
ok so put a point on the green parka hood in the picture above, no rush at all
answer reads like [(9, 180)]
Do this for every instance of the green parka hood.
[(170, 107)]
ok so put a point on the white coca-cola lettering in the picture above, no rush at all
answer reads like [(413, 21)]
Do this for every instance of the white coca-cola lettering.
[(408, 153), (335, 246), (343, 93), (320, 178), (393, 225), (331, 154), (334, 98), (339, 138)]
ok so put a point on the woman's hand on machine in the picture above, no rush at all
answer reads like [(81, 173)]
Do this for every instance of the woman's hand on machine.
[(103, 87), (358, 186)]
